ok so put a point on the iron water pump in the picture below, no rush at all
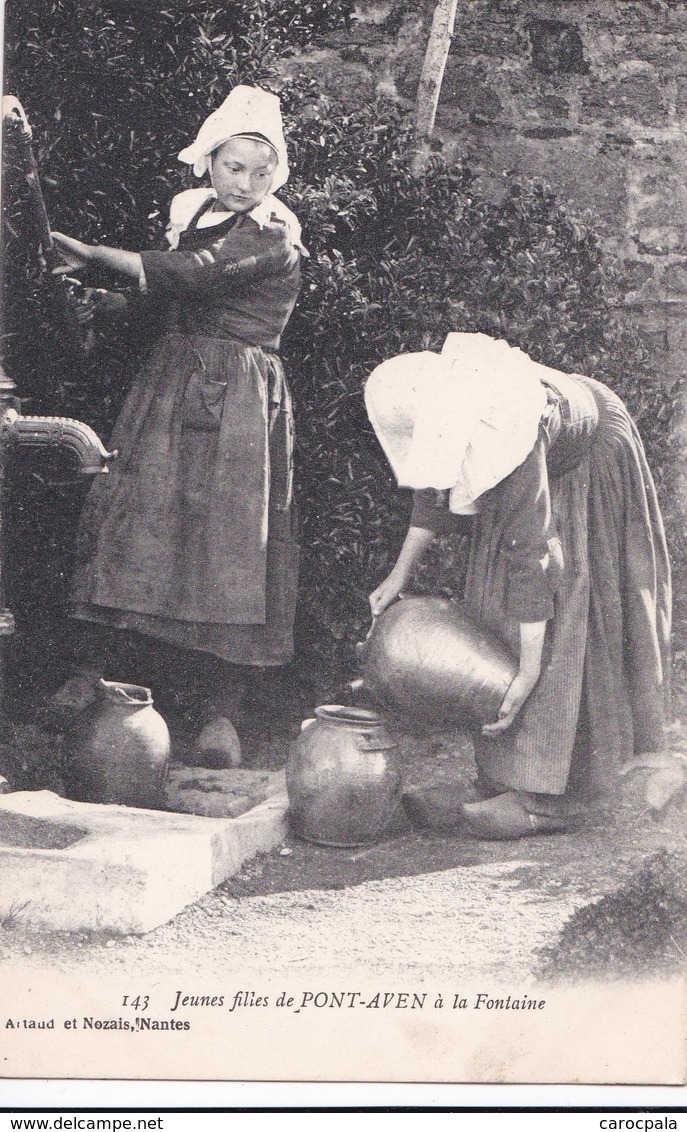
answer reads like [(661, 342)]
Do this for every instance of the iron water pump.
[(16, 429)]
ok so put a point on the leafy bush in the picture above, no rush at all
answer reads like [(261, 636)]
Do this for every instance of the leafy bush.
[(115, 90), (637, 932), (398, 262)]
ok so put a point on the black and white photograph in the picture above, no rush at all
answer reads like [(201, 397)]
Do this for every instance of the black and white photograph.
[(343, 541)]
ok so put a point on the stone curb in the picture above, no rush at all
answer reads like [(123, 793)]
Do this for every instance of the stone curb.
[(74, 866)]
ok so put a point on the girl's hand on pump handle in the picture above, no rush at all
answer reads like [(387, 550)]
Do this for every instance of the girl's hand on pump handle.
[(75, 253), (78, 255)]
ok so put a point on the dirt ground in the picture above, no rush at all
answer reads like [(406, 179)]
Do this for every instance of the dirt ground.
[(507, 905), (608, 897)]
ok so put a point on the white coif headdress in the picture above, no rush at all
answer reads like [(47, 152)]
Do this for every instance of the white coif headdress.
[(247, 110), (461, 420)]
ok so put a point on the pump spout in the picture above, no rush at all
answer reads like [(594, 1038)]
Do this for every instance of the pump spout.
[(62, 432)]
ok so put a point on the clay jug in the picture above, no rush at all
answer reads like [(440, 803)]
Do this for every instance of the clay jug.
[(343, 789), (119, 750), (428, 657)]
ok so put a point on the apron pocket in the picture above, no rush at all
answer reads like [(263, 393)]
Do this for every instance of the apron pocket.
[(203, 403)]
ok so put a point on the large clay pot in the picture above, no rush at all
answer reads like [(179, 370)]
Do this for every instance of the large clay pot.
[(428, 657), (343, 790), (119, 751)]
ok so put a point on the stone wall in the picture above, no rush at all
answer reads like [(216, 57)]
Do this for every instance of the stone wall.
[(590, 95)]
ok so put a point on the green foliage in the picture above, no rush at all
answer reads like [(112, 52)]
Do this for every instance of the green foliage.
[(397, 264), (115, 89)]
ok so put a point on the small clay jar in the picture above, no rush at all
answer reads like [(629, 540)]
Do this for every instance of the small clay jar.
[(119, 750), (343, 787)]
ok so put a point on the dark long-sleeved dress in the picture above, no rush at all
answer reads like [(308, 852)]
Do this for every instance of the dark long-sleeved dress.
[(574, 537), (190, 538)]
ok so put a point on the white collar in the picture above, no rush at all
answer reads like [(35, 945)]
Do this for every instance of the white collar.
[(260, 214), (186, 205)]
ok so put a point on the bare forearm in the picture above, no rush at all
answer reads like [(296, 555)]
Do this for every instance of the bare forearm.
[(416, 542), (413, 551), (76, 254), (531, 645), (117, 259), (532, 635)]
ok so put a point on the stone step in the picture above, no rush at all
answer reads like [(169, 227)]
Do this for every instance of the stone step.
[(220, 793)]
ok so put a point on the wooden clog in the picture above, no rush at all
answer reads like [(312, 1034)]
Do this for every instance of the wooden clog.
[(505, 818)]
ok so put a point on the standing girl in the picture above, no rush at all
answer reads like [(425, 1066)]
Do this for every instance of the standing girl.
[(190, 539)]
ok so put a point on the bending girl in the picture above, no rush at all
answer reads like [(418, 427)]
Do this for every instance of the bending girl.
[(567, 563)]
